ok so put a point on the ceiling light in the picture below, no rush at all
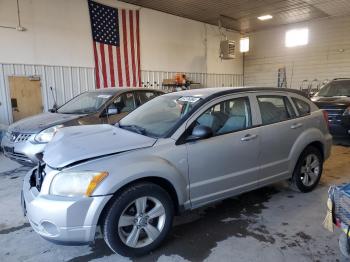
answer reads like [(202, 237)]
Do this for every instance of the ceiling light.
[(265, 17)]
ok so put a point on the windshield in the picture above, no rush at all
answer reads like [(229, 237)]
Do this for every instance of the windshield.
[(335, 88), (158, 116), (86, 103)]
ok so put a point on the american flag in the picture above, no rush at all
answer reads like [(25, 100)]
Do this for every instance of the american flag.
[(116, 43)]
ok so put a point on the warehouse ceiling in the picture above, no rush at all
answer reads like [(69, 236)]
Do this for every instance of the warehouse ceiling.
[(241, 15)]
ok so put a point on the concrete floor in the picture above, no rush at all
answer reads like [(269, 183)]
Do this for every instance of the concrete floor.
[(270, 224)]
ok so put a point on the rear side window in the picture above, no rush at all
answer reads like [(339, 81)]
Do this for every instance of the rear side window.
[(125, 103), (302, 106), (275, 109), (145, 96)]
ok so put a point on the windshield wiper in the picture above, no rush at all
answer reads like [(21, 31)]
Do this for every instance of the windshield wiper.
[(134, 128)]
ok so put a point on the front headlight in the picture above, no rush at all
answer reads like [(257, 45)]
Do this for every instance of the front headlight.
[(347, 112), (46, 135), (76, 183)]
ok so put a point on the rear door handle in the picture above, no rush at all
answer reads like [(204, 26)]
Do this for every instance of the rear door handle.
[(248, 137), (295, 126)]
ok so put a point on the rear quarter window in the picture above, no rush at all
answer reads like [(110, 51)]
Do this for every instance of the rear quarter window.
[(275, 109), (302, 106)]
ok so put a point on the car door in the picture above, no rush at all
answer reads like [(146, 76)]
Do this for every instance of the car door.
[(279, 130), (227, 163), (120, 107)]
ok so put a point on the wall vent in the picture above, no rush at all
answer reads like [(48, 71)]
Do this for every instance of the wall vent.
[(227, 49)]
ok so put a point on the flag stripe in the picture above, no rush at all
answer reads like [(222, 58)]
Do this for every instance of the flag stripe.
[(120, 75), (111, 65), (138, 45), (103, 62), (125, 38), (115, 66), (108, 76), (121, 49), (129, 48), (132, 45), (99, 64), (98, 84)]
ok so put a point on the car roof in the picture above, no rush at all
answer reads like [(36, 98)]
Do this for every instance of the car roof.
[(119, 90), (218, 91), (341, 79)]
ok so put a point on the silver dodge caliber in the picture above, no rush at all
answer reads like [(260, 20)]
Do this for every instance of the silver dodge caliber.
[(177, 152)]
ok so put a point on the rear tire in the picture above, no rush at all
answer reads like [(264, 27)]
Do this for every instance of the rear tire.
[(308, 170), (138, 220)]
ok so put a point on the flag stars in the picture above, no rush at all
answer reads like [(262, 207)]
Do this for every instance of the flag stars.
[(105, 26)]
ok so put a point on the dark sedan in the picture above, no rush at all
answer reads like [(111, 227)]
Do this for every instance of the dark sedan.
[(334, 98)]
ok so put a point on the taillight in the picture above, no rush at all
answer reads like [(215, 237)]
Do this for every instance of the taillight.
[(325, 116)]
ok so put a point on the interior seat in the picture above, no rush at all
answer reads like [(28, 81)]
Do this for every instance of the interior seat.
[(206, 120), (237, 119)]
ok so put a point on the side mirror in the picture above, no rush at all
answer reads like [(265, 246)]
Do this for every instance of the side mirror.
[(311, 94), (200, 132)]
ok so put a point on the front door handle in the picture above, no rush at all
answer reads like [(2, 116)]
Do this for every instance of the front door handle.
[(248, 137), (295, 126)]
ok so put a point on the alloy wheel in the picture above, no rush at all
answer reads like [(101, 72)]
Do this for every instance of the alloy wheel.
[(141, 222), (310, 170)]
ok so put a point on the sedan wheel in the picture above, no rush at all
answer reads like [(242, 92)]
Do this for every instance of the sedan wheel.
[(138, 219), (141, 222), (308, 170)]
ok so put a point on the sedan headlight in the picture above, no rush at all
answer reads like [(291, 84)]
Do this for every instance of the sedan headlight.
[(76, 183), (347, 112), (46, 135)]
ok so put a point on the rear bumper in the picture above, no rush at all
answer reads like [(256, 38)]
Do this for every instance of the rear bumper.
[(339, 130), (63, 220)]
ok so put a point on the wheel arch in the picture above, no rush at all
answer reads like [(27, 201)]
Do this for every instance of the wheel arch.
[(162, 182), (317, 144), (310, 137), (298, 152)]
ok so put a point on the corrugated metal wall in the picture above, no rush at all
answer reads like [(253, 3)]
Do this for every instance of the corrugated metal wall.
[(67, 82), (155, 78), (327, 55)]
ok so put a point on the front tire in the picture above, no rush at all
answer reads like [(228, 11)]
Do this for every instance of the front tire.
[(138, 220), (308, 170)]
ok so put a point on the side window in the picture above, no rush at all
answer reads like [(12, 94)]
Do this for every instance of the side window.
[(227, 116), (145, 96), (302, 106), (125, 103), (275, 109)]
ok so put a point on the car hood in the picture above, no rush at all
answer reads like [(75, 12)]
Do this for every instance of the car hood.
[(37, 123), (336, 101), (73, 144)]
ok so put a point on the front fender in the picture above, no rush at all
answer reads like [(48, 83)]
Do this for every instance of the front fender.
[(124, 169)]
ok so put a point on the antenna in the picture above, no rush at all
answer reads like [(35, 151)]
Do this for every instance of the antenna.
[(54, 99)]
